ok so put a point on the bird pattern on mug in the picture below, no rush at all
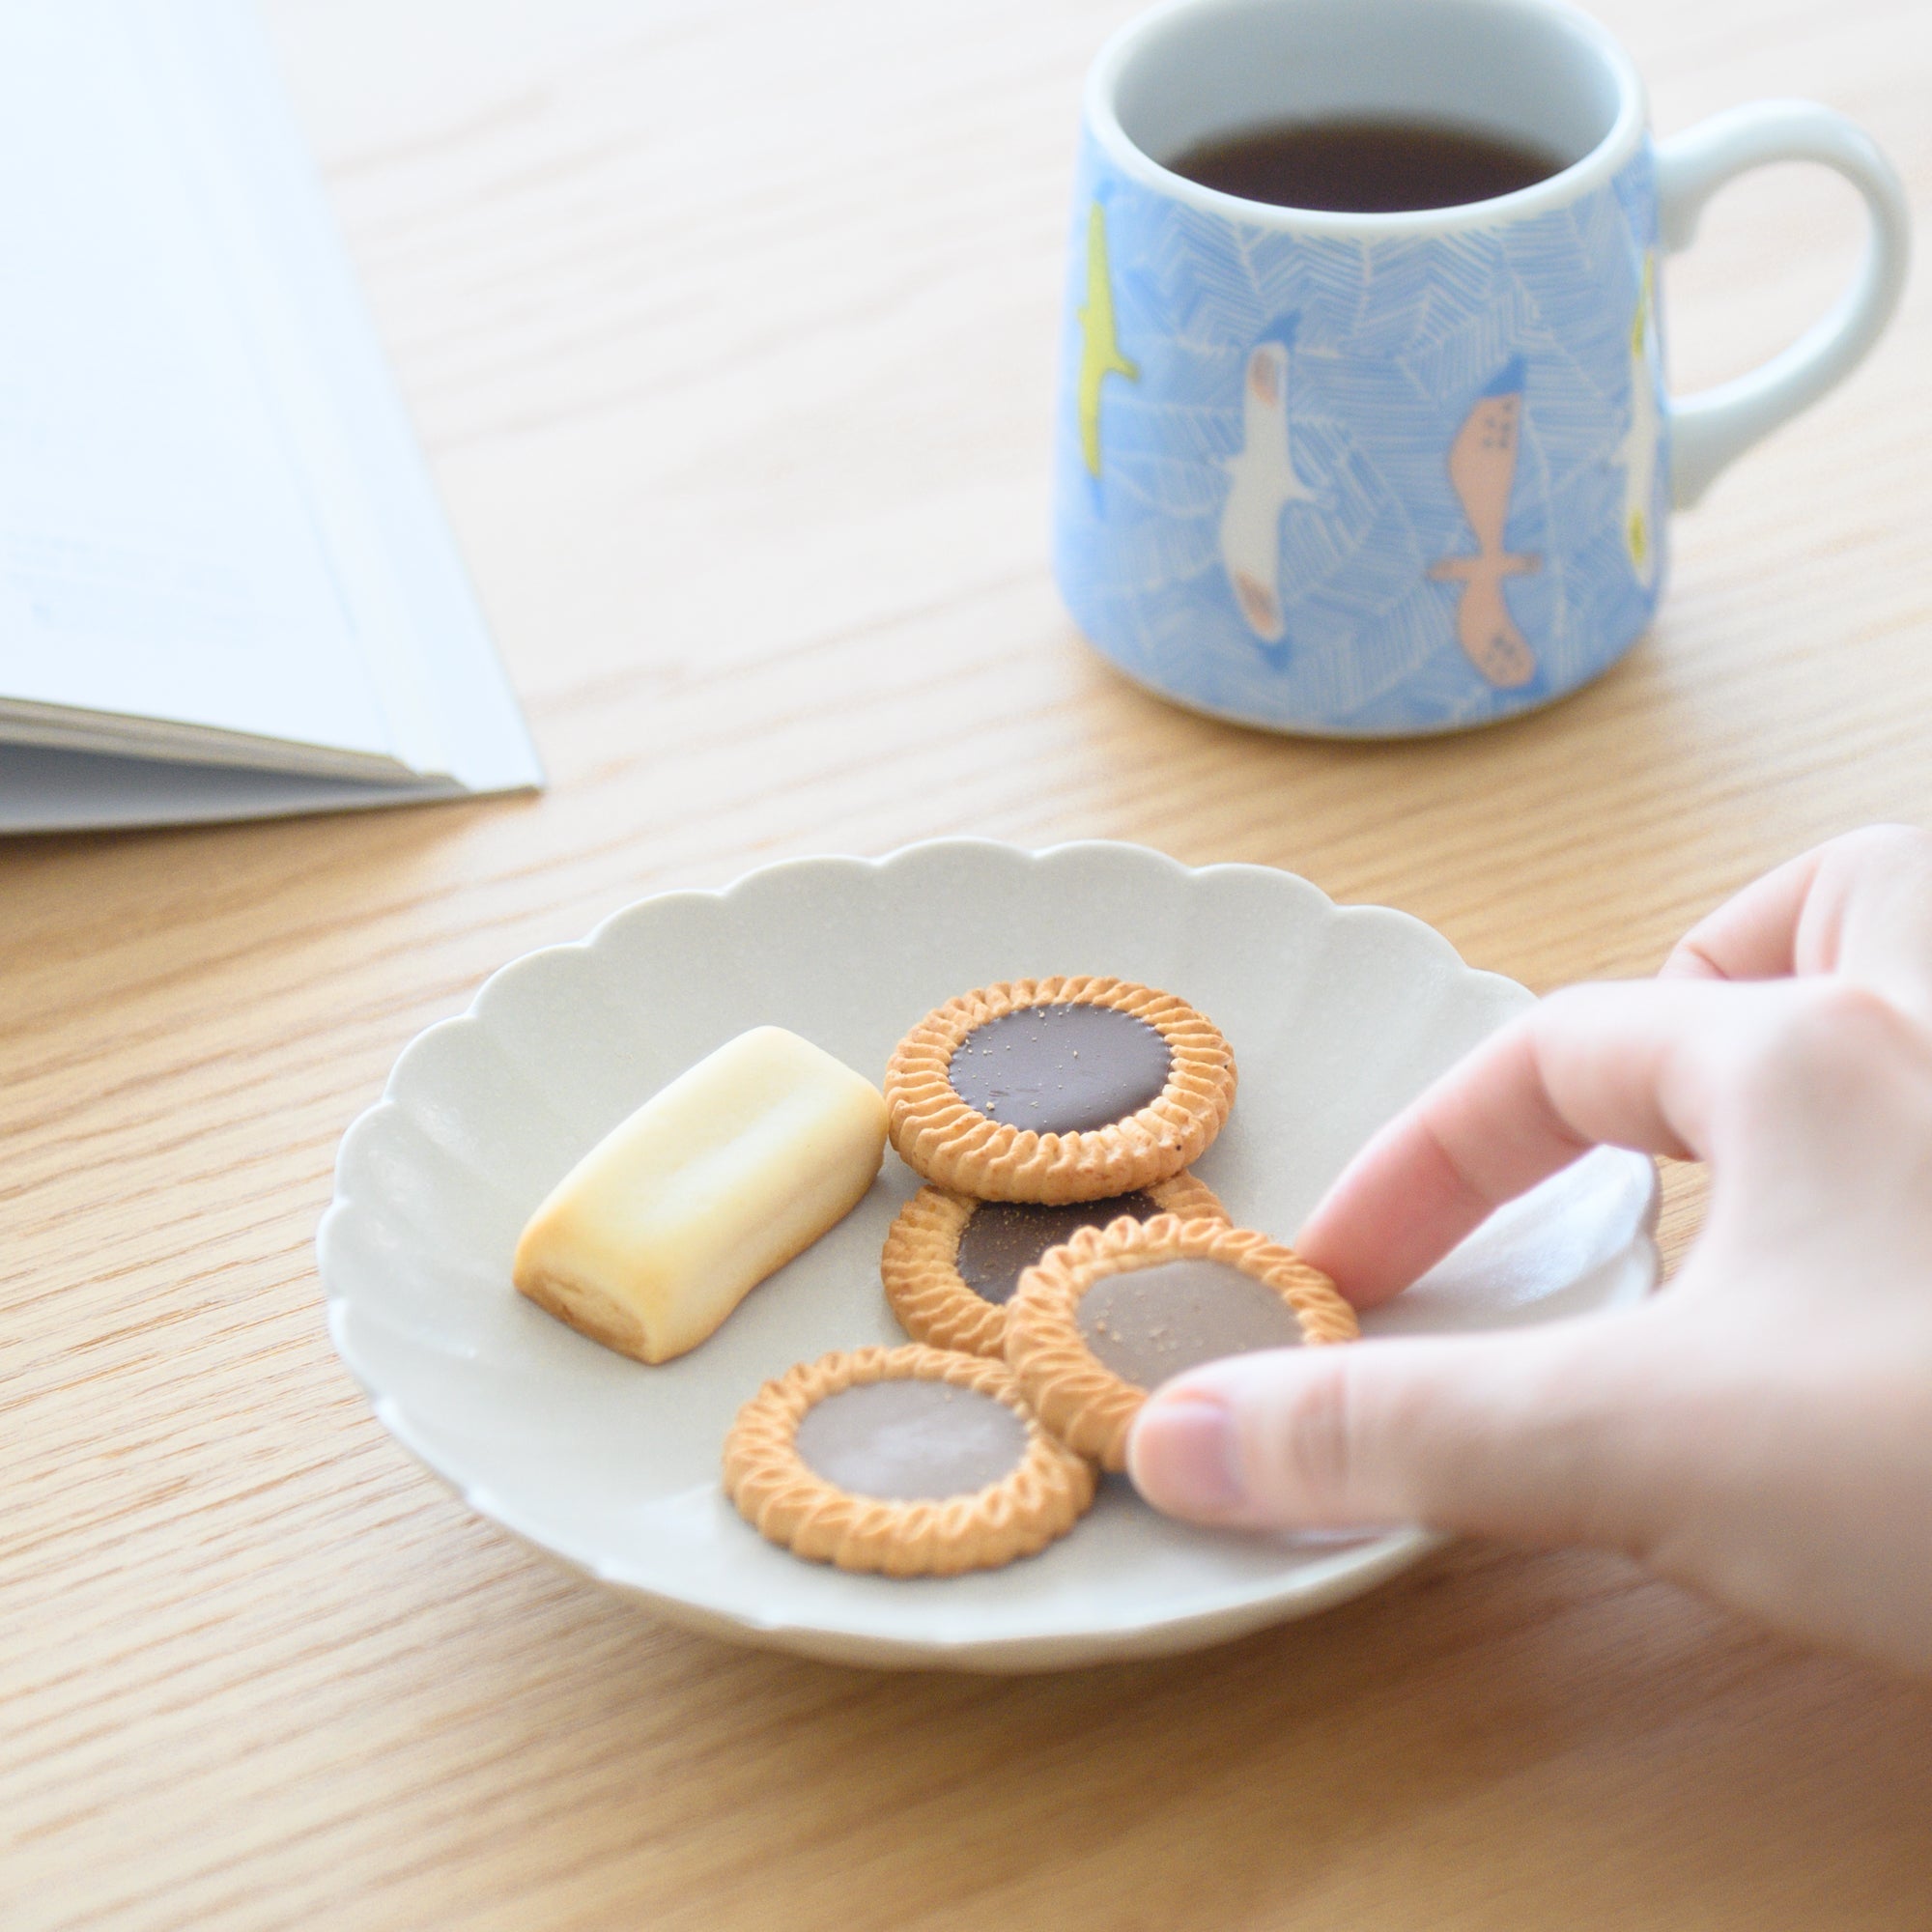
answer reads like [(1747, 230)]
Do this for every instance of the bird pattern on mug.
[(1637, 452), (1277, 475), (1262, 482), (1482, 472), (1101, 349)]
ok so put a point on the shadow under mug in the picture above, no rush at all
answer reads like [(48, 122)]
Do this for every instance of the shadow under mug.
[(1375, 475)]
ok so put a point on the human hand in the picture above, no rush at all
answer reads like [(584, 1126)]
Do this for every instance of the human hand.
[(1762, 1430)]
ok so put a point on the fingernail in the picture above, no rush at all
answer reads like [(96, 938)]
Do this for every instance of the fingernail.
[(1182, 1457)]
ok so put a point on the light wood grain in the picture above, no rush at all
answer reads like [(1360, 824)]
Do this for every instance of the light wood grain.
[(728, 329)]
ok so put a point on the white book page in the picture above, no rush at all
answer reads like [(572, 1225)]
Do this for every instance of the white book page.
[(160, 552), (443, 689)]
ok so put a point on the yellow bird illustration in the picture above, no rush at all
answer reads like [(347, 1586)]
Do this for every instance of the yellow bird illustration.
[(1482, 471), (1101, 350), (1639, 451)]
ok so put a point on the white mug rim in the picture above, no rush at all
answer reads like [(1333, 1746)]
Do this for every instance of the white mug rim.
[(1589, 172)]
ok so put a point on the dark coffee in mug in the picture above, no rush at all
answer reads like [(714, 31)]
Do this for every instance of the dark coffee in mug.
[(1366, 167)]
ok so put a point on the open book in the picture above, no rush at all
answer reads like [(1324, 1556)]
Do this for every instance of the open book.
[(226, 586)]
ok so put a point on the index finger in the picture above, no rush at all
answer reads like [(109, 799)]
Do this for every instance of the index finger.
[(1753, 935), (1624, 1063), (1860, 906)]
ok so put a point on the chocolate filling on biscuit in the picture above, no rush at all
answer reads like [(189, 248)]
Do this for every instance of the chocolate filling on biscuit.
[(1063, 1069), (1148, 1323), (1004, 1238), (911, 1439)]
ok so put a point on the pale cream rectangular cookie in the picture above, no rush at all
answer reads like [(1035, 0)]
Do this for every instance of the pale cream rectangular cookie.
[(665, 1226)]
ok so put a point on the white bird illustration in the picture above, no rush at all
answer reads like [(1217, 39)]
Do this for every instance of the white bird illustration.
[(1262, 482), (1638, 451)]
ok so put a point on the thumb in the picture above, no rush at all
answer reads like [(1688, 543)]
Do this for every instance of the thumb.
[(1540, 1435)]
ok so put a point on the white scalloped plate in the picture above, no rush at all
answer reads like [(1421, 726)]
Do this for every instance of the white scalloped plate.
[(1337, 1017)]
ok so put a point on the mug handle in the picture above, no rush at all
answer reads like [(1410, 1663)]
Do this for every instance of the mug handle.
[(1712, 427)]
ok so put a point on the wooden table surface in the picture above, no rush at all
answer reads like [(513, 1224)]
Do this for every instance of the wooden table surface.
[(729, 330)]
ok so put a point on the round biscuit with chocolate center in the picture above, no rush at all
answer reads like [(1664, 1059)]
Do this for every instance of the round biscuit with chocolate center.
[(911, 1461), (1106, 1317), (951, 1263), (1058, 1090)]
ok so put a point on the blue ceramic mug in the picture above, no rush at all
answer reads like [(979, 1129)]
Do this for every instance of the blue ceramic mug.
[(1373, 474)]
